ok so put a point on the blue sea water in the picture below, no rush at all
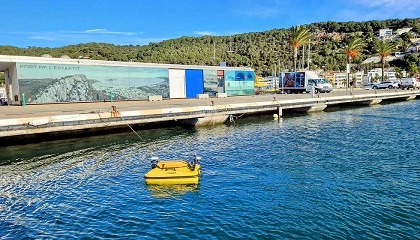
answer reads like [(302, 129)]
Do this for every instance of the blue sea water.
[(347, 174)]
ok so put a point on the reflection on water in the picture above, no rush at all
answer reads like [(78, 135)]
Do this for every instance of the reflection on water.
[(335, 175), (13, 154), (172, 191)]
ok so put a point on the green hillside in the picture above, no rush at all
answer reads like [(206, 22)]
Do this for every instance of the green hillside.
[(259, 50)]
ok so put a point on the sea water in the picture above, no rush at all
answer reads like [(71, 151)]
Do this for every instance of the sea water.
[(351, 173)]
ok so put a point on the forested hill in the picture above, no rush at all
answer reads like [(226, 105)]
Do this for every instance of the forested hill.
[(259, 50)]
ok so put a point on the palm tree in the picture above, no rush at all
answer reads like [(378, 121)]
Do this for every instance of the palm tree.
[(353, 48), (384, 48), (298, 36)]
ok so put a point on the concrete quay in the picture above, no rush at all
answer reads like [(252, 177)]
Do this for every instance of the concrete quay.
[(19, 124)]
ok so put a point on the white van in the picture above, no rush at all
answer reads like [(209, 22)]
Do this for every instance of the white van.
[(321, 85), (407, 83)]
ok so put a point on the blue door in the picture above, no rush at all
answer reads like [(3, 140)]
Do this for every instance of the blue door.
[(194, 82)]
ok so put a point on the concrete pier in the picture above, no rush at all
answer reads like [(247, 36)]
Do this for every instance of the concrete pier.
[(31, 121)]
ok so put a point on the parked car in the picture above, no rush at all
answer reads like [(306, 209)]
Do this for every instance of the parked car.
[(321, 85), (385, 84), (410, 83), (3, 102), (368, 86)]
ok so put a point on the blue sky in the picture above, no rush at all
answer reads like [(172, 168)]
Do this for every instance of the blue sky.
[(56, 23)]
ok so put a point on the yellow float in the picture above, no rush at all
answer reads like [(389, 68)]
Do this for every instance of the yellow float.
[(169, 172)]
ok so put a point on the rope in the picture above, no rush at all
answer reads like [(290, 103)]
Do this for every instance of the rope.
[(231, 119), (133, 130), (148, 151), (100, 117)]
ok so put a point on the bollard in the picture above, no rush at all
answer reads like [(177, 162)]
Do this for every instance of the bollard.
[(114, 112), (23, 100)]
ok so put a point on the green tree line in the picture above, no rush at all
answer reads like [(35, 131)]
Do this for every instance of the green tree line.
[(263, 51)]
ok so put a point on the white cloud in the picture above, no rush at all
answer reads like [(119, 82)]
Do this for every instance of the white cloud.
[(366, 10), (45, 38), (96, 30), (392, 5), (399, 4), (105, 31), (91, 32), (205, 33), (66, 37)]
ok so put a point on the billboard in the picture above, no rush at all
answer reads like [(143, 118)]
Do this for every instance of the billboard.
[(293, 80)]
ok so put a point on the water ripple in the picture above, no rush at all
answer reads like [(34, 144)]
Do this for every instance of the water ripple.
[(350, 174)]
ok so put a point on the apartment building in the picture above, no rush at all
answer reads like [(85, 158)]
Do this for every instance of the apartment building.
[(339, 79), (375, 75), (385, 33)]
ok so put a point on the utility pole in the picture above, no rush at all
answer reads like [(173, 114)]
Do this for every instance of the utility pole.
[(230, 45), (214, 49), (309, 52), (419, 67), (348, 79), (303, 57), (279, 79), (274, 79)]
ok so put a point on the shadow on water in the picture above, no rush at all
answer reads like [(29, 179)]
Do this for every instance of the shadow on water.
[(18, 153), (341, 107), (84, 133), (265, 117)]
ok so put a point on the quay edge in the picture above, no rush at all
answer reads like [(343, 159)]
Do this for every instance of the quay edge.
[(53, 125)]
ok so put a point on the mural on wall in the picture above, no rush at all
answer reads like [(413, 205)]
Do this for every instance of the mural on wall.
[(47, 83), (239, 82), (210, 81)]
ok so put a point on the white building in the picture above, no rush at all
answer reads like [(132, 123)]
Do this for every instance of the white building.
[(414, 46), (340, 79), (376, 59), (375, 75), (385, 33), (400, 31), (2, 92)]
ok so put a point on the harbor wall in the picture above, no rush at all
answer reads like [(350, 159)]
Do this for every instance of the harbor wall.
[(29, 125)]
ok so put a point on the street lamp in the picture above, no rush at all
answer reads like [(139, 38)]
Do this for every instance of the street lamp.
[(274, 79), (348, 78), (282, 82)]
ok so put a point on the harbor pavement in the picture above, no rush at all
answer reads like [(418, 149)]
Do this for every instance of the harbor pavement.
[(53, 109)]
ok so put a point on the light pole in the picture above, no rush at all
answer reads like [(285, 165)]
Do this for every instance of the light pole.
[(282, 82), (419, 67), (274, 79), (348, 78)]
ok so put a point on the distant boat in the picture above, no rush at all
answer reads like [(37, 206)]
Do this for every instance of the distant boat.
[(170, 172)]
